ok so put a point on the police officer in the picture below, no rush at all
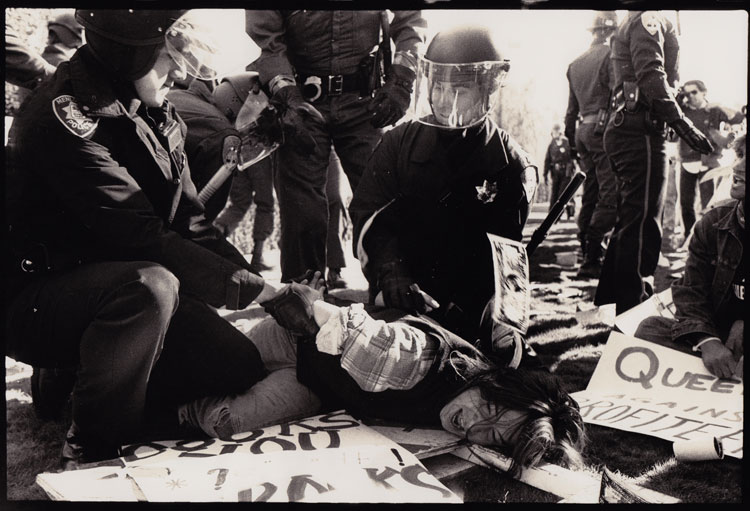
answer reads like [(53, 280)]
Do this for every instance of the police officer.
[(322, 59), (111, 265), (585, 120), (436, 186), (558, 162), (645, 65)]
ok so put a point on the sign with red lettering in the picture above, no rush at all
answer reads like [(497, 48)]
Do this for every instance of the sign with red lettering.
[(327, 458), (643, 387)]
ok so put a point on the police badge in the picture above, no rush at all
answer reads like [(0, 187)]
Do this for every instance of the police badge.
[(70, 115), (487, 192)]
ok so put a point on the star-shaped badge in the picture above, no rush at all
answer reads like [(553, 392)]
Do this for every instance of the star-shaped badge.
[(487, 192)]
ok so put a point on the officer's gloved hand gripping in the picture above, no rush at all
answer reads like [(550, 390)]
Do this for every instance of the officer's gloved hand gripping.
[(392, 99), (295, 114), (691, 135)]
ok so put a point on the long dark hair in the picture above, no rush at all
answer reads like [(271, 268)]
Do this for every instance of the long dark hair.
[(553, 428)]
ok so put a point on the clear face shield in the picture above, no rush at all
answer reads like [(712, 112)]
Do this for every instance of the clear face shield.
[(259, 129), (456, 96), (209, 43)]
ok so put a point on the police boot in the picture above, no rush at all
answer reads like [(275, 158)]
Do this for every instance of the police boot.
[(258, 263), (78, 451), (334, 279), (50, 390), (592, 264)]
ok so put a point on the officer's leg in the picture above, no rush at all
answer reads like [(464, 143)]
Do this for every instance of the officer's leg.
[(303, 207), (336, 213), (262, 183), (590, 185), (109, 320), (605, 210), (687, 199), (239, 201)]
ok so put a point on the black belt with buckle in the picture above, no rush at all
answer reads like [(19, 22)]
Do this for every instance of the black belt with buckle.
[(314, 86)]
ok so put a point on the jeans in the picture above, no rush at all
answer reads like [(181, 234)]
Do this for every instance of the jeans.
[(301, 179), (277, 398), (658, 329), (639, 160), (688, 183)]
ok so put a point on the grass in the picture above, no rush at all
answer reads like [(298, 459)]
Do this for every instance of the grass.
[(571, 350)]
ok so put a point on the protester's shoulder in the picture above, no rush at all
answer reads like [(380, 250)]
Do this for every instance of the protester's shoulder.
[(718, 213)]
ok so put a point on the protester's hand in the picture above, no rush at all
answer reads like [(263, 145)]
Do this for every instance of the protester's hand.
[(691, 135), (315, 280), (718, 359), (392, 99), (296, 115)]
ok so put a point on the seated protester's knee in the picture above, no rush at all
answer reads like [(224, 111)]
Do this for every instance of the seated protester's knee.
[(656, 329)]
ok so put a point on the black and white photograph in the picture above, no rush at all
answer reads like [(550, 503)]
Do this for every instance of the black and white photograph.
[(429, 254)]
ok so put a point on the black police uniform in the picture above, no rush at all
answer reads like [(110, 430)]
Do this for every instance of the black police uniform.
[(645, 64), (588, 102), (426, 201), (558, 162), (110, 258)]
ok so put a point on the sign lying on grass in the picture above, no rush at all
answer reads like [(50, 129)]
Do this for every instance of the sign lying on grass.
[(327, 458), (645, 388)]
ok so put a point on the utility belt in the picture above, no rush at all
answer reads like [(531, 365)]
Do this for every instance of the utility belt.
[(600, 118), (627, 100), (315, 87)]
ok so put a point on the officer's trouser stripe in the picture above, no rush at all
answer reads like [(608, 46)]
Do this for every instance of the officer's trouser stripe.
[(645, 211)]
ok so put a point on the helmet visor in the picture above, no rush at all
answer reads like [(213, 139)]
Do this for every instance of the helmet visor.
[(456, 96), (259, 129), (208, 44)]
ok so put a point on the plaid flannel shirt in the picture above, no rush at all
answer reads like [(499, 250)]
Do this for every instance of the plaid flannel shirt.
[(378, 355)]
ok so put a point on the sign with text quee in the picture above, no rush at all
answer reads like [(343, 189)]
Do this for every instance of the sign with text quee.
[(326, 458), (643, 387)]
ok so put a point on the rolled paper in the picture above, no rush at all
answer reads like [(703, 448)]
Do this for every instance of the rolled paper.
[(567, 259), (703, 449)]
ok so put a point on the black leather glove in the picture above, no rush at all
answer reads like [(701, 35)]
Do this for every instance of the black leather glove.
[(392, 99), (295, 114), (399, 289), (692, 135), (293, 309)]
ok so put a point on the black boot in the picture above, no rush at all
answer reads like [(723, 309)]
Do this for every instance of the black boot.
[(50, 390), (334, 279), (592, 263), (258, 264), (79, 451)]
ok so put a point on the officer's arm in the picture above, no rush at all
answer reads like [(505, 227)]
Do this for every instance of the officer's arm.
[(648, 54), (409, 33), (571, 115), (102, 193), (23, 66), (266, 28)]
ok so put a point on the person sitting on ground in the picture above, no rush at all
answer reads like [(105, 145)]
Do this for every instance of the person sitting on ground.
[(710, 296), (385, 363)]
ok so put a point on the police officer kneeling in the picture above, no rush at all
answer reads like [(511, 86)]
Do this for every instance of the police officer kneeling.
[(113, 267)]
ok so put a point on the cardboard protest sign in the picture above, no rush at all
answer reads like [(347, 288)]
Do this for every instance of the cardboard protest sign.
[(512, 296), (645, 388), (327, 458), (659, 304)]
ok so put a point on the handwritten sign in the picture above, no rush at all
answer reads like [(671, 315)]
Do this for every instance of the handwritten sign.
[(660, 304), (512, 295), (327, 458), (645, 388)]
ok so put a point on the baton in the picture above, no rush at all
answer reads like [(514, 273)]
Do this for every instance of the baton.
[(218, 179), (555, 212)]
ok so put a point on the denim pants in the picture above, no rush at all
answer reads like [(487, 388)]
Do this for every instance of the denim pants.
[(639, 161), (277, 398), (301, 179)]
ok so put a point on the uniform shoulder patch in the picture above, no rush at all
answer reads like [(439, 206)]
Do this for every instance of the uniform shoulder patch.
[(651, 21), (70, 115)]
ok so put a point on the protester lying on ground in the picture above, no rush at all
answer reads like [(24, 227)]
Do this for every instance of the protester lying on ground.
[(388, 364), (436, 186), (710, 296), (111, 265)]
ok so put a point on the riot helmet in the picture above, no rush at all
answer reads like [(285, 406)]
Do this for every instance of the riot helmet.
[(240, 98), (458, 78), (127, 41)]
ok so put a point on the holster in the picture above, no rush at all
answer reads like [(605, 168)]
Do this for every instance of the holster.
[(371, 73), (602, 117)]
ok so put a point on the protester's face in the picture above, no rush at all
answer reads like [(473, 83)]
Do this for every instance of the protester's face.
[(695, 95), (152, 88), (738, 179), (480, 421), (456, 103)]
